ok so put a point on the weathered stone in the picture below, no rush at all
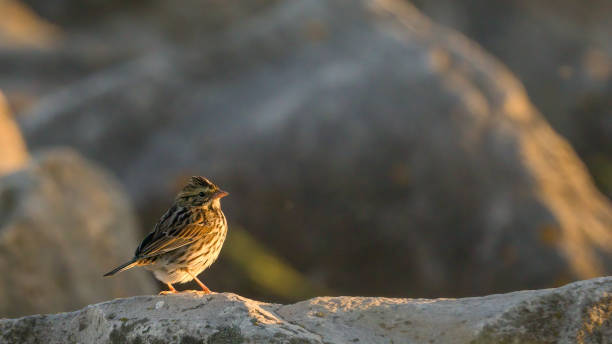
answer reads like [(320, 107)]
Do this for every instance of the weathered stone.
[(13, 151), (577, 313), (63, 222)]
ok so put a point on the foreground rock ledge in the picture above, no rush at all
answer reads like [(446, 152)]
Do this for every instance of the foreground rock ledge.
[(576, 313)]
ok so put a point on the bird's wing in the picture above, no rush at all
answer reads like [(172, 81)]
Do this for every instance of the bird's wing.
[(173, 230)]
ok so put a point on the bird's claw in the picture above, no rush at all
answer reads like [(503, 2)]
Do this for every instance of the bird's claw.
[(198, 291), (167, 292)]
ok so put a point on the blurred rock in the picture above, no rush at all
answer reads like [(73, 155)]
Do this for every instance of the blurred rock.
[(95, 35), (361, 141), (21, 27), (576, 313), (562, 51), (63, 223), (180, 20), (77, 11), (27, 75), (13, 151)]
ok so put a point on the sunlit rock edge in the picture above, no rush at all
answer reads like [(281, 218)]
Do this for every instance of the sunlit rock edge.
[(13, 151), (575, 313)]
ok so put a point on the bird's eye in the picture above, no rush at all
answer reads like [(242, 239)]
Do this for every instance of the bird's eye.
[(201, 194)]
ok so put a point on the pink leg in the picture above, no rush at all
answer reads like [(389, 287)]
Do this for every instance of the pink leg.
[(171, 291), (204, 288)]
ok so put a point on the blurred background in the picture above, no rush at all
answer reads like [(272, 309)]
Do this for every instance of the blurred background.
[(371, 147)]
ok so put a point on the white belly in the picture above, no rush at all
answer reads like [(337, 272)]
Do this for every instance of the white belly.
[(167, 270)]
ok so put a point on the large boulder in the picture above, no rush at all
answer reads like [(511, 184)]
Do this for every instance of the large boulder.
[(191, 18), (561, 50), (20, 27), (577, 313), (374, 150), (13, 151), (63, 222)]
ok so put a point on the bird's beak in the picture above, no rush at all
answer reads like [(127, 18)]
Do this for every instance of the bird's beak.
[(220, 194)]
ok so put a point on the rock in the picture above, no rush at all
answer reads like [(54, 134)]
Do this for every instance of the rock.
[(13, 151), (76, 12), (63, 222), (561, 50), (359, 140), (192, 17), (576, 313), (20, 27)]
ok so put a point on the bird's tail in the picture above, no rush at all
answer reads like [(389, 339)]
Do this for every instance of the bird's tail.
[(132, 263)]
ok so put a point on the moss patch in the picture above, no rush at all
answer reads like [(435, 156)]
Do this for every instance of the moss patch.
[(191, 340), (23, 331), (541, 322), (226, 335), (119, 334)]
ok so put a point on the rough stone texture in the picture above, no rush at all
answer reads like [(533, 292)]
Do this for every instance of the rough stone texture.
[(13, 151), (361, 141), (576, 313), (63, 222)]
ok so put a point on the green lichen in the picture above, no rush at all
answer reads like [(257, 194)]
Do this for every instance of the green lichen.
[(539, 323), (191, 340), (23, 331), (226, 335), (299, 341), (120, 334)]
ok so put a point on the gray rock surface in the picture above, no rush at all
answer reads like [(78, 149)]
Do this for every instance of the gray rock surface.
[(13, 151), (63, 222), (359, 139), (576, 313)]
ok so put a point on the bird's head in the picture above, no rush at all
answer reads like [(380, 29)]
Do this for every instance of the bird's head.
[(200, 192)]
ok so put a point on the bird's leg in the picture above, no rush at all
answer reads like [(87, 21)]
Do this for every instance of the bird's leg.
[(171, 291), (204, 288)]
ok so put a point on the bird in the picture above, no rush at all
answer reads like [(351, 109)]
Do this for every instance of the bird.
[(187, 239)]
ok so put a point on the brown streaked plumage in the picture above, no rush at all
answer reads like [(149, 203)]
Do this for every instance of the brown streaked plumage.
[(187, 239)]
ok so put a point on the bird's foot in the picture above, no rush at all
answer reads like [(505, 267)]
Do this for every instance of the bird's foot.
[(203, 292), (167, 292), (170, 290)]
